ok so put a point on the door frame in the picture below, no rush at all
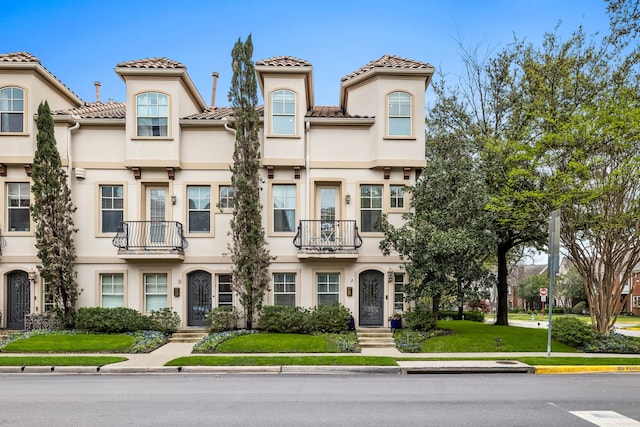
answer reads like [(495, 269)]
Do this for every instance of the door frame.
[(198, 319), (11, 309), (363, 319)]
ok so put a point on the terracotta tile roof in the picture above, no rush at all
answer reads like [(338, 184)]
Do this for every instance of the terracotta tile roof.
[(218, 113), (18, 57), (97, 110), (151, 63), (388, 61), (331, 112), (26, 57), (284, 61)]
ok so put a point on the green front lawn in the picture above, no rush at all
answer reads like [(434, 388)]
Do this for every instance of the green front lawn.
[(475, 337), (59, 360), (77, 343), (282, 360), (278, 343)]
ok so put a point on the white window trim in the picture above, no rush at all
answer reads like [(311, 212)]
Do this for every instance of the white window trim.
[(25, 122), (272, 132)]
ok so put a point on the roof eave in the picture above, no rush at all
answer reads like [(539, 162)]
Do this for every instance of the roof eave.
[(346, 121), (44, 73)]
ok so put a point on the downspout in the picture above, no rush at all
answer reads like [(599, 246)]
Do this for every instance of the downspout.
[(76, 126), (307, 179)]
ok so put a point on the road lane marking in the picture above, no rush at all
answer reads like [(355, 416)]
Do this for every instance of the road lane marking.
[(606, 418)]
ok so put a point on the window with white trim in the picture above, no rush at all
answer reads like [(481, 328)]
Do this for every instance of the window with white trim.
[(283, 108), (370, 206), (199, 210), (328, 288), (111, 208), (225, 289), (396, 194), (284, 207), (398, 292), (636, 301), (112, 289), (226, 200), (284, 289), (11, 109), (47, 297), (18, 202), (399, 114), (152, 114), (155, 291)]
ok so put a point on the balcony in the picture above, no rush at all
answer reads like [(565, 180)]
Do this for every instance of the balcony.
[(151, 240), (327, 239), (3, 243)]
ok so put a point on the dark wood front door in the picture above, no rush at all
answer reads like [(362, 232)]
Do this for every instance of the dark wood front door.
[(199, 297), (18, 299), (371, 298)]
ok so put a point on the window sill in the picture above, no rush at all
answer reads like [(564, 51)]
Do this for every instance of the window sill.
[(399, 137), (14, 133), (284, 136), (152, 138)]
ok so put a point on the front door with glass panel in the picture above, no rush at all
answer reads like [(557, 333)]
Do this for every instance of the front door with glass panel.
[(18, 299), (371, 296), (156, 208), (328, 213), (199, 297)]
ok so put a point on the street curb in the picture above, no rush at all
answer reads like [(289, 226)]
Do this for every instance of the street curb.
[(576, 369)]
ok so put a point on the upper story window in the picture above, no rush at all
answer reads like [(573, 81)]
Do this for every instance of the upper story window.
[(111, 208), (11, 109), (226, 197), (18, 202), (284, 207), (370, 207), (283, 107), (396, 193), (399, 114), (199, 208), (152, 114)]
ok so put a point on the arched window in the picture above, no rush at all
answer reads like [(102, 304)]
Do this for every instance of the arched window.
[(399, 114), (11, 109), (152, 114), (283, 107)]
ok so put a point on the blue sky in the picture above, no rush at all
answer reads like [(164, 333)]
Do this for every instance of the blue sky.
[(82, 41)]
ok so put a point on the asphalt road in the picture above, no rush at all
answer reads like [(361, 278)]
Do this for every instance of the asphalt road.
[(316, 400)]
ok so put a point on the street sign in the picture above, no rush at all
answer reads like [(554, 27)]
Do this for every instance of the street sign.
[(543, 292)]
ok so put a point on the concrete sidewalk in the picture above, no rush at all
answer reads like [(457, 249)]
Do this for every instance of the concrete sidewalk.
[(452, 363)]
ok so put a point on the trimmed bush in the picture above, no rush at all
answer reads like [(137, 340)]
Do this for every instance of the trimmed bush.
[(223, 318), (572, 331), (285, 319), (333, 319), (111, 320), (164, 320), (419, 319), (579, 307), (474, 316)]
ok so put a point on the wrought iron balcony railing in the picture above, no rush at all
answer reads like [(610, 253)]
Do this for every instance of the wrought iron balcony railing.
[(322, 236), (3, 242), (151, 235)]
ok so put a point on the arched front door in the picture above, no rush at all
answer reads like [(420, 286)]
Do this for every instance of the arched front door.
[(199, 297), (18, 299), (371, 294)]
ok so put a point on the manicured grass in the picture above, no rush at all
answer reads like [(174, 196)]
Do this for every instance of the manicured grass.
[(80, 343), (59, 360), (547, 361), (278, 343), (470, 336), (282, 360)]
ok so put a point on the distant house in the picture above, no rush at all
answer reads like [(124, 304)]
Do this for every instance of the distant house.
[(517, 275), (150, 177)]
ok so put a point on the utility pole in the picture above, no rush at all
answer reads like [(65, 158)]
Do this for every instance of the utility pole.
[(553, 266)]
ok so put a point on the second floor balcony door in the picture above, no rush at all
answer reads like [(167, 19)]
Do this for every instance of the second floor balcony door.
[(156, 208), (328, 202)]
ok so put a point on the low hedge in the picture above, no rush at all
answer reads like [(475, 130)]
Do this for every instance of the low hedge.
[(297, 320), (121, 319)]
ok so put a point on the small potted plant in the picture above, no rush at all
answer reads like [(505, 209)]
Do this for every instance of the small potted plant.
[(396, 320)]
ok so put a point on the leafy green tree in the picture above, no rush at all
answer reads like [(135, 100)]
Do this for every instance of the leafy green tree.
[(52, 212), (249, 251), (530, 289), (569, 288), (444, 239), (585, 100)]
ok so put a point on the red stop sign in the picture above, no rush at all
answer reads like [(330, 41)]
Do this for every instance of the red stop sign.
[(543, 292)]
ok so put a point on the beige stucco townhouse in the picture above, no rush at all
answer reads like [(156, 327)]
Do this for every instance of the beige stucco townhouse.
[(150, 178)]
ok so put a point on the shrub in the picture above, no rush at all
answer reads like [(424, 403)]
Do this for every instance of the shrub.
[(285, 319), (419, 318), (613, 343), (579, 307), (332, 319), (558, 310), (111, 320), (223, 318), (572, 331), (164, 320), (474, 316)]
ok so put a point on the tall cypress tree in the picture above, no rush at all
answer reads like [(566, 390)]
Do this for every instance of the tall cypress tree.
[(52, 212), (249, 251)]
